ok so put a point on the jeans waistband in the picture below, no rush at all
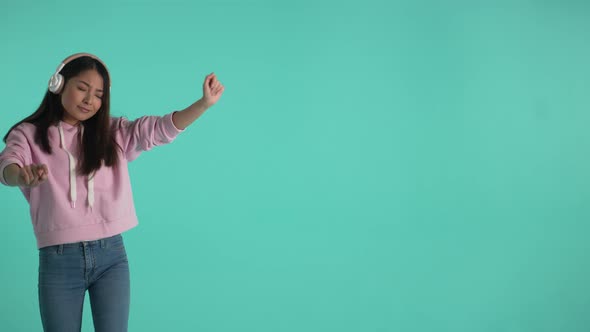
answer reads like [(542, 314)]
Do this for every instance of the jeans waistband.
[(103, 243)]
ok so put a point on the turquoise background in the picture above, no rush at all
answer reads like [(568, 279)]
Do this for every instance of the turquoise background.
[(372, 166)]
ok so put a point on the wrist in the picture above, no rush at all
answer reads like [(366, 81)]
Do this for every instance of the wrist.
[(202, 103), (11, 173)]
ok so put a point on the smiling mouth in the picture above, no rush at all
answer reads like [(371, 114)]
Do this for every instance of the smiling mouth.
[(85, 110)]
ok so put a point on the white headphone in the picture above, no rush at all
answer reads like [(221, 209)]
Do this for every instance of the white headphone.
[(56, 82)]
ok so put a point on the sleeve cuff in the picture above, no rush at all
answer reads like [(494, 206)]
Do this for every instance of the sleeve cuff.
[(170, 127)]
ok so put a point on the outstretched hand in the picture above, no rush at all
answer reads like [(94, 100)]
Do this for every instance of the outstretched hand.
[(212, 90), (32, 175)]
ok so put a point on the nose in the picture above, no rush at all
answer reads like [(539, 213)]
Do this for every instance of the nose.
[(87, 98)]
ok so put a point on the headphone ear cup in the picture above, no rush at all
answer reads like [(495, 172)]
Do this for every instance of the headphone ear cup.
[(56, 83)]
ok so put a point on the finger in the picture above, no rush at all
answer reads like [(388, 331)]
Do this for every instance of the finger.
[(41, 173), (38, 171), (207, 86), (23, 179), (28, 174), (35, 176), (34, 183), (45, 171), (213, 82)]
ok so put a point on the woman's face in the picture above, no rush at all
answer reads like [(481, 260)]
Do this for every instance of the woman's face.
[(82, 96)]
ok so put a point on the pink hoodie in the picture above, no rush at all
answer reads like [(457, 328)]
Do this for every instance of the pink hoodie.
[(71, 208)]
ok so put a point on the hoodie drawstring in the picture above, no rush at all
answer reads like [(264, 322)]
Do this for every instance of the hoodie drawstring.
[(72, 162)]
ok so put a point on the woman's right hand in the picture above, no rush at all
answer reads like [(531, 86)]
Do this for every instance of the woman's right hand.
[(32, 175)]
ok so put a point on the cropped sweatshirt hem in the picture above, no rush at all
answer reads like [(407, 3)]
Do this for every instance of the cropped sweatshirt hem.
[(89, 232)]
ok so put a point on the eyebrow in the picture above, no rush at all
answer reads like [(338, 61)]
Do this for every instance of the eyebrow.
[(97, 90)]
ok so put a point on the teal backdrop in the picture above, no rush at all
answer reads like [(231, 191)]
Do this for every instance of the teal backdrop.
[(372, 165)]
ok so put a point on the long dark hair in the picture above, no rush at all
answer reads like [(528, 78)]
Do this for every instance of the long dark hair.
[(98, 141)]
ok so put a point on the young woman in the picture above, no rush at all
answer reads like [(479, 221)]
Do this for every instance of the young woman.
[(69, 159)]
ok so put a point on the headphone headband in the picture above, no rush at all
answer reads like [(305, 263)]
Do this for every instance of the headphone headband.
[(56, 81)]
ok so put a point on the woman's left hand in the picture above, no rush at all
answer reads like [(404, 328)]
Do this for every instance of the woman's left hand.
[(212, 90)]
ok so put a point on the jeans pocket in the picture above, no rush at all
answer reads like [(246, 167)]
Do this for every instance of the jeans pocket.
[(116, 244), (117, 247)]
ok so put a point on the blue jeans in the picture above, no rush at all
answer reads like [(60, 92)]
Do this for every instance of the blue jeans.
[(66, 271)]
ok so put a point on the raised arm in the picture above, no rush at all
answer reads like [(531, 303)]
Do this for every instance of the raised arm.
[(212, 91)]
